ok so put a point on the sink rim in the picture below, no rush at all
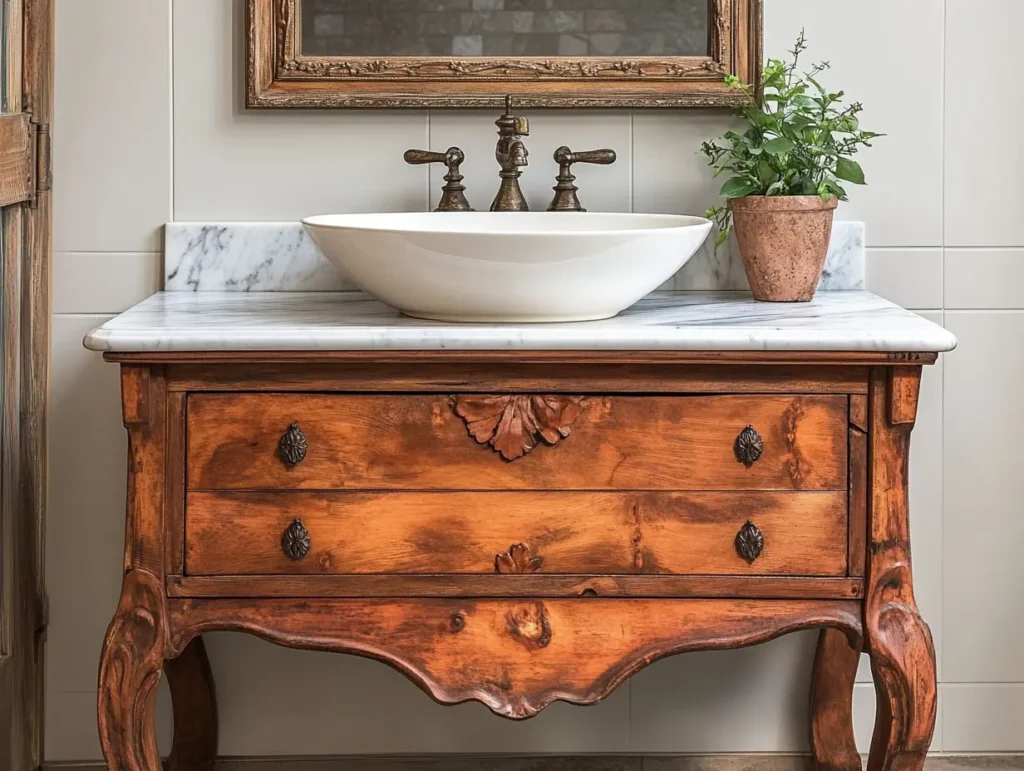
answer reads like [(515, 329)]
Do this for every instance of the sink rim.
[(438, 223)]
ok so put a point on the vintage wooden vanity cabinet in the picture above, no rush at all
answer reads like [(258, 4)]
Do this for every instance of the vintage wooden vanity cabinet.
[(517, 527)]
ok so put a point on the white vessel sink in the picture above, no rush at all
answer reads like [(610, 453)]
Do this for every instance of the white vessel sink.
[(508, 266)]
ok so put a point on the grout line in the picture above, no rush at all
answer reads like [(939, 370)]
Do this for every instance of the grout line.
[(170, 35)]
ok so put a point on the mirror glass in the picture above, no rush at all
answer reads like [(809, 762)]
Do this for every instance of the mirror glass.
[(505, 28)]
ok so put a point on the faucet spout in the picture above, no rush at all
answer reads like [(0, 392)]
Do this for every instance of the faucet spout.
[(512, 155)]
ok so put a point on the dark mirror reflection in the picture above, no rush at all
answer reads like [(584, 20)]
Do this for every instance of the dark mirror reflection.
[(512, 28)]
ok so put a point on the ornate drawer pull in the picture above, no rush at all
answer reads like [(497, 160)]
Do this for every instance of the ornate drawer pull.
[(750, 542), (291, 448), (295, 541), (518, 559), (748, 447)]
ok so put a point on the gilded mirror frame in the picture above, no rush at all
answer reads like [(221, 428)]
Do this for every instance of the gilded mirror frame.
[(278, 75)]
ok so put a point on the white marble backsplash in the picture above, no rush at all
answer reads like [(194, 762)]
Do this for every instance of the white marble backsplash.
[(280, 257)]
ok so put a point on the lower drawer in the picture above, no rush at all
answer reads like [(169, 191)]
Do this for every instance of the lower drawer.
[(727, 533)]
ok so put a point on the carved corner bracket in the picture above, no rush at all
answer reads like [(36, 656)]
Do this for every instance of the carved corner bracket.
[(514, 424)]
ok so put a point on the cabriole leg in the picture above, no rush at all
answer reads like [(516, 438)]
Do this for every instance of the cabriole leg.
[(133, 658)]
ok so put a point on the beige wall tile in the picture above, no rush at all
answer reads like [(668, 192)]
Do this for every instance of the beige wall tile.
[(747, 700), (982, 523), (602, 188), (985, 278), (669, 175), (864, 719), (233, 163), (320, 703), (982, 717), (96, 282), (908, 277), (983, 36), (85, 527), (889, 55), (112, 125)]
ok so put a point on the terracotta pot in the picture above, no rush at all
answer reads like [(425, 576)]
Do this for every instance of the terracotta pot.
[(784, 242)]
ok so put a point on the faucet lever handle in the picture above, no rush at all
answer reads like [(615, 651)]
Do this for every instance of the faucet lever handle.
[(453, 194), (566, 198)]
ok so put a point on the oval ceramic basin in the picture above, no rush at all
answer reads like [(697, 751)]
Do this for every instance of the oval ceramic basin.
[(508, 266)]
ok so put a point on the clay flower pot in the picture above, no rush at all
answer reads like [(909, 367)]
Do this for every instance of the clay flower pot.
[(783, 242)]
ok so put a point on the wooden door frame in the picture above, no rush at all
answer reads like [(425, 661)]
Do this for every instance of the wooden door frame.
[(25, 191)]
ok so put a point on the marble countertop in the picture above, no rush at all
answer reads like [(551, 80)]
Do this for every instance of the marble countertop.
[(349, 321)]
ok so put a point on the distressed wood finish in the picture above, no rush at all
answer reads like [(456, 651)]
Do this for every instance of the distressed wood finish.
[(516, 582), (278, 75), (833, 745), (518, 585), (419, 442), (195, 710), (515, 656), (898, 640), (27, 250), (602, 533)]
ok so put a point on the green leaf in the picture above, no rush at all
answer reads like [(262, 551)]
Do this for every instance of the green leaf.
[(766, 173), (738, 187), (850, 171), (779, 146)]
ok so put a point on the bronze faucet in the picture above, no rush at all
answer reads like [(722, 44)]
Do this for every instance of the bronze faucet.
[(512, 155), (565, 191), (453, 194)]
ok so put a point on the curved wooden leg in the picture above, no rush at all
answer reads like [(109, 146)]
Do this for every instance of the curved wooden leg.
[(195, 710), (903, 664), (835, 670), (897, 639), (133, 657)]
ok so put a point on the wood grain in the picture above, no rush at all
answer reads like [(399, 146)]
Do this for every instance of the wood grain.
[(195, 710), (833, 745), (130, 669), (17, 159), (418, 442), (536, 586), (898, 640), (617, 533), (515, 656)]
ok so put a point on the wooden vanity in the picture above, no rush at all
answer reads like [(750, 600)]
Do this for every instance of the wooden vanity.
[(516, 526)]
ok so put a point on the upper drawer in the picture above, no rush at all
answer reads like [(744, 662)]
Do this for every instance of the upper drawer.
[(499, 442)]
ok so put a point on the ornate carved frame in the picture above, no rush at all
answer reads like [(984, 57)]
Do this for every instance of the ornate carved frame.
[(279, 76)]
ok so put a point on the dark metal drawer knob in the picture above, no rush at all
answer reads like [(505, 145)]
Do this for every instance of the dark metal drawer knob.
[(748, 447), (291, 448), (295, 541), (750, 542)]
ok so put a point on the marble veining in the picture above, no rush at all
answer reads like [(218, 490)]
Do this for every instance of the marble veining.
[(280, 257), (339, 321)]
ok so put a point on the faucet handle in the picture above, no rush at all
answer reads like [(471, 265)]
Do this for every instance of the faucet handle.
[(566, 198), (453, 194)]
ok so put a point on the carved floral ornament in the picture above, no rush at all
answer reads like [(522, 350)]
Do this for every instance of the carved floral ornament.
[(514, 424)]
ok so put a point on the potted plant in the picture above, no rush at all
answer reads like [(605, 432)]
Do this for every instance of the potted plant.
[(786, 175)]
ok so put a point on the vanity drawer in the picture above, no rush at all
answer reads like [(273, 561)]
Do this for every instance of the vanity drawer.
[(516, 442), (696, 533)]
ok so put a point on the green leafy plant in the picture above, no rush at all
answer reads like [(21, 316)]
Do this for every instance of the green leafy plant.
[(800, 139)]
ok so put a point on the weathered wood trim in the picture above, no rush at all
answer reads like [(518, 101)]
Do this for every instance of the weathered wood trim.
[(461, 650), (278, 75), (523, 585), (17, 159)]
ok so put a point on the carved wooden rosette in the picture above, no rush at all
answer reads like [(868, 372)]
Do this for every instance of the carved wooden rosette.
[(133, 657), (514, 424), (518, 559)]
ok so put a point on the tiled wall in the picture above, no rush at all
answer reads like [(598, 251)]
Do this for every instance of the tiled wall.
[(505, 27), (149, 127)]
